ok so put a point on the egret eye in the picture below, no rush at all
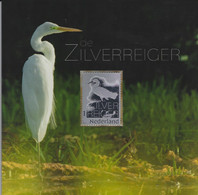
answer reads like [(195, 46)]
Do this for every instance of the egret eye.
[(52, 27)]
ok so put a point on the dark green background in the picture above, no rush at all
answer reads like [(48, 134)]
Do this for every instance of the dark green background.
[(109, 24)]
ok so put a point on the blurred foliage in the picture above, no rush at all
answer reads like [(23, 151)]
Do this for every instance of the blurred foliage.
[(157, 117), (109, 24)]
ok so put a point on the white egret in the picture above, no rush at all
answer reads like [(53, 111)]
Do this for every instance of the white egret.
[(101, 91), (38, 81)]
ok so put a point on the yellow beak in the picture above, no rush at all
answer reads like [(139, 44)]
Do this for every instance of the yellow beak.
[(66, 29)]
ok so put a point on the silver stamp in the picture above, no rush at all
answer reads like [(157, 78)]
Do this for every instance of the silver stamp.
[(101, 98)]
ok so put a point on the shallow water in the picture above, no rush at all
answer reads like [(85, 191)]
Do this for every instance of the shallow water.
[(94, 187)]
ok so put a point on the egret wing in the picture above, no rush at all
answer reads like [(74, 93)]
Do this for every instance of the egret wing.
[(37, 89)]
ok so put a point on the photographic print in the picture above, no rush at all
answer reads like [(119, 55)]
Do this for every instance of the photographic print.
[(99, 97)]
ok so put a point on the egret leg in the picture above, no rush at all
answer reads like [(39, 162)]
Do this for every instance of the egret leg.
[(39, 159)]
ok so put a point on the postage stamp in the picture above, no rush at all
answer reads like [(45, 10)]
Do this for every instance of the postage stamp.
[(101, 98)]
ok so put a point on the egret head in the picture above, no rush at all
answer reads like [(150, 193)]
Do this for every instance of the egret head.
[(95, 82), (49, 28)]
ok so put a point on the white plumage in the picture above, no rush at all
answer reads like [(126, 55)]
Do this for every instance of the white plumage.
[(38, 81), (101, 91), (37, 92)]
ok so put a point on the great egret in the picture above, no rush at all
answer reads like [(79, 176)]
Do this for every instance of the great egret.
[(101, 91), (38, 81)]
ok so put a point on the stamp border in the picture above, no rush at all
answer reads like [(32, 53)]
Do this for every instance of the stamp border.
[(121, 97)]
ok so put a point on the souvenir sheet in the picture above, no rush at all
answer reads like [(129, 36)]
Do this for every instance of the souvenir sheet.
[(99, 97)]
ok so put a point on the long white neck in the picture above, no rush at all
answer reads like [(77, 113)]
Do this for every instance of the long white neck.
[(43, 46)]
